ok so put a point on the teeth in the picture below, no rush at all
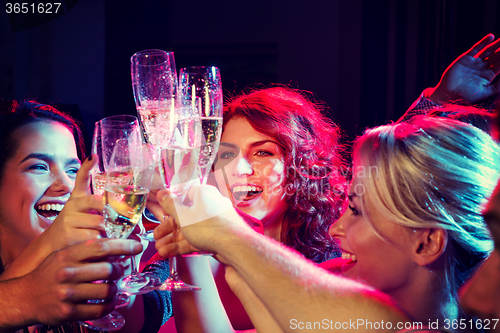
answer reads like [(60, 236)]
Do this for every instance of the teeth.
[(246, 189), (346, 255), (48, 206)]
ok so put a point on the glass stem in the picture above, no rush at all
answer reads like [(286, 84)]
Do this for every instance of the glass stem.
[(173, 260)]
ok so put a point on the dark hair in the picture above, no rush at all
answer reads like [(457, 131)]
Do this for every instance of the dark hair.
[(14, 115), (314, 163)]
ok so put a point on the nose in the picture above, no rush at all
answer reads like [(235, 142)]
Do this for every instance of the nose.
[(337, 229), (62, 184), (242, 167)]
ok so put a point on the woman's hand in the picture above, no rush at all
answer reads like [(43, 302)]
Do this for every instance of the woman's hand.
[(76, 223), (208, 218), (469, 77)]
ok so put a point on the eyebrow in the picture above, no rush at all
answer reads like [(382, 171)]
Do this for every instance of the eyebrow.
[(253, 144), (49, 158), (260, 143)]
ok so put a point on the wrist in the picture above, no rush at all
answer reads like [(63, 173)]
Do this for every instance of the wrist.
[(436, 95)]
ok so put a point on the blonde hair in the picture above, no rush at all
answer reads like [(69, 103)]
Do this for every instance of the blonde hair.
[(432, 172)]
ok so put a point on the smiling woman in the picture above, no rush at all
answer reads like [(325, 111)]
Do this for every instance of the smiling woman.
[(46, 208), (40, 154), (414, 227)]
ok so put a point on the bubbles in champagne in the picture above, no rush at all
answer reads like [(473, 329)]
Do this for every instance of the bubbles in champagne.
[(155, 122), (212, 128), (123, 206), (98, 182)]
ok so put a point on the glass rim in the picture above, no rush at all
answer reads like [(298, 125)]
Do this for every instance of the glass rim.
[(119, 120), (199, 69), (153, 53)]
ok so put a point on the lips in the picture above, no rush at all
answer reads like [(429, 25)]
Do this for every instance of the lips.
[(246, 192)]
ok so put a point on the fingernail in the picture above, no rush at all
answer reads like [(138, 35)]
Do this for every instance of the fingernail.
[(136, 246), (89, 158)]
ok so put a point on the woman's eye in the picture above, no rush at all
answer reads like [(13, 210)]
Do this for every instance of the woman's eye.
[(227, 155), (40, 167), (72, 171), (354, 210), (264, 153)]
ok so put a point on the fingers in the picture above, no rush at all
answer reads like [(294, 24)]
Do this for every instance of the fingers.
[(99, 249), (82, 182), (94, 311), (81, 292), (494, 62), (164, 228), (476, 48), (487, 51), (95, 271), (167, 203), (86, 203)]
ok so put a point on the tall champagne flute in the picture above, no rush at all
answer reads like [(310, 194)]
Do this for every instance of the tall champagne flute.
[(128, 181), (180, 153), (106, 132), (201, 87), (154, 83)]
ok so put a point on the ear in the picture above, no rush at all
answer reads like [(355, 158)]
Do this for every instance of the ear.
[(430, 243)]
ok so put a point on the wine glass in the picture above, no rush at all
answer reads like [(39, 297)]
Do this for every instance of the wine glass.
[(180, 153), (106, 132), (154, 82), (128, 181), (201, 87)]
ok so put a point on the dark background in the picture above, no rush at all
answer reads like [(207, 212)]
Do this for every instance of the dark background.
[(368, 60)]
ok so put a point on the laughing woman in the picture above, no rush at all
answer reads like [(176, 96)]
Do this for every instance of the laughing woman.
[(44, 206), (414, 228)]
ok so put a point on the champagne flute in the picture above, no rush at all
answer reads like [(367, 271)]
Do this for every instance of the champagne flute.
[(128, 181), (180, 154), (154, 83), (106, 132), (201, 87)]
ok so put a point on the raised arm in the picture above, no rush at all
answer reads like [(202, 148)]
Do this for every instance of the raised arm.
[(292, 289), (470, 76)]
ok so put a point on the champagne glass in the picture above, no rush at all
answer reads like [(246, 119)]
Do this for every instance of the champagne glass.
[(180, 154), (154, 82), (201, 87), (128, 181), (106, 132)]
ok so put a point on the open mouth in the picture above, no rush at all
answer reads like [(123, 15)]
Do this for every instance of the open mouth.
[(49, 211), (349, 257), (246, 192)]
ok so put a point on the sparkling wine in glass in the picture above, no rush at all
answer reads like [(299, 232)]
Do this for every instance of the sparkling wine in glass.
[(180, 154), (128, 181), (106, 132), (201, 87), (154, 82)]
